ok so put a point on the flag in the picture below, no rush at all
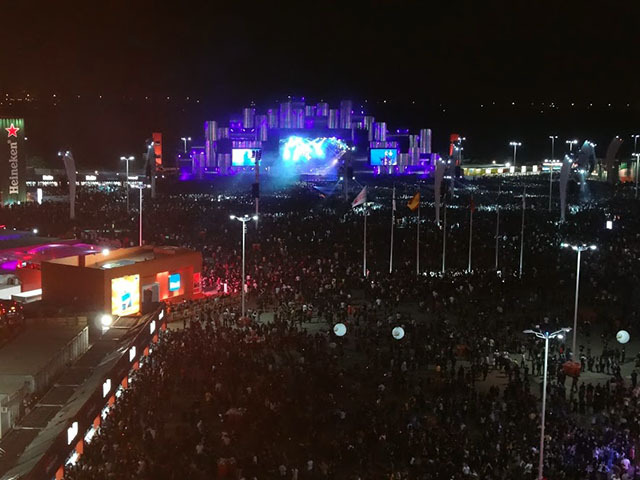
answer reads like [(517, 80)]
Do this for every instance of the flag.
[(472, 206), (414, 203), (437, 187), (360, 199)]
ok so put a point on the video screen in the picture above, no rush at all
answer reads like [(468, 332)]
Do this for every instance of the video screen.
[(244, 157), (174, 282), (296, 149), (383, 156), (125, 295)]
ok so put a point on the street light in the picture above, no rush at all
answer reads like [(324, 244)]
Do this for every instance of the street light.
[(127, 159), (515, 146), (244, 219), (578, 248), (185, 140), (546, 336), (571, 144)]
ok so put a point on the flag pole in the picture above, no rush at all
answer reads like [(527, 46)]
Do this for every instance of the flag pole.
[(444, 237), (140, 226), (418, 241), (524, 196), (497, 227), (393, 222), (364, 263), (471, 208)]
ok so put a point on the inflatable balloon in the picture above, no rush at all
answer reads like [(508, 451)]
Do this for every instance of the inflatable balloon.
[(622, 336), (398, 333), (339, 329)]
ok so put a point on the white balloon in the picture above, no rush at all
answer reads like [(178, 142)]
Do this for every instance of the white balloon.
[(623, 336), (339, 329), (398, 333)]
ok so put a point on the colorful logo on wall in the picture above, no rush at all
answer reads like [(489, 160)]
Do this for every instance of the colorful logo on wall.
[(12, 162), (125, 295)]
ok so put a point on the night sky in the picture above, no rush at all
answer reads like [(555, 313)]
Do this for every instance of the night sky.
[(227, 54)]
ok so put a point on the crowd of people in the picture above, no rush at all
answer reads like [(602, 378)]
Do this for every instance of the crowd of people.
[(279, 395)]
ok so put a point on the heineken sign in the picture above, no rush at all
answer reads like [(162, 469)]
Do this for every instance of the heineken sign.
[(13, 166)]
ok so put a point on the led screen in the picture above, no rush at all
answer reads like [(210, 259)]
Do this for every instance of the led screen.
[(243, 157), (125, 295), (174, 282), (298, 149), (383, 156)]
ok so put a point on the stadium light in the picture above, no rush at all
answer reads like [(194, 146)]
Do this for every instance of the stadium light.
[(515, 146), (571, 144)]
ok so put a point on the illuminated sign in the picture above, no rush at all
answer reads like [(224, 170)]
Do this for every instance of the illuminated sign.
[(383, 156), (152, 327), (174, 282), (12, 162), (244, 157), (132, 353), (125, 295), (90, 178), (47, 178)]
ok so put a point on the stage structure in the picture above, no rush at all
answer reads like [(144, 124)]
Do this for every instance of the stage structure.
[(297, 138)]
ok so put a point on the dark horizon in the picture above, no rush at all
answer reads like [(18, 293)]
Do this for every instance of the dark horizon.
[(123, 60)]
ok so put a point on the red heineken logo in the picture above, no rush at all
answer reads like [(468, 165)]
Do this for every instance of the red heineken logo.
[(12, 131)]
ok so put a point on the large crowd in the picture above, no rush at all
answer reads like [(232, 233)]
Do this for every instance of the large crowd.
[(278, 395)]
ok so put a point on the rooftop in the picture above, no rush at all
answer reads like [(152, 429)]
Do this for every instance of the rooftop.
[(122, 256)]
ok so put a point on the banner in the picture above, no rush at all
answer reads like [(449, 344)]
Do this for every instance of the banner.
[(13, 164), (70, 167), (150, 167), (440, 167), (610, 161), (564, 179), (157, 149), (414, 203), (361, 198)]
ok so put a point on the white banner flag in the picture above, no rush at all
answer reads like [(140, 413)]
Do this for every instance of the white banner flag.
[(361, 198), (564, 180), (439, 175)]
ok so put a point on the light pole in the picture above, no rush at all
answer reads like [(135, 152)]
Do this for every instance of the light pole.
[(515, 146), (546, 336), (184, 141), (571, 144), (578, 248), (244, 219), (127, 159)]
